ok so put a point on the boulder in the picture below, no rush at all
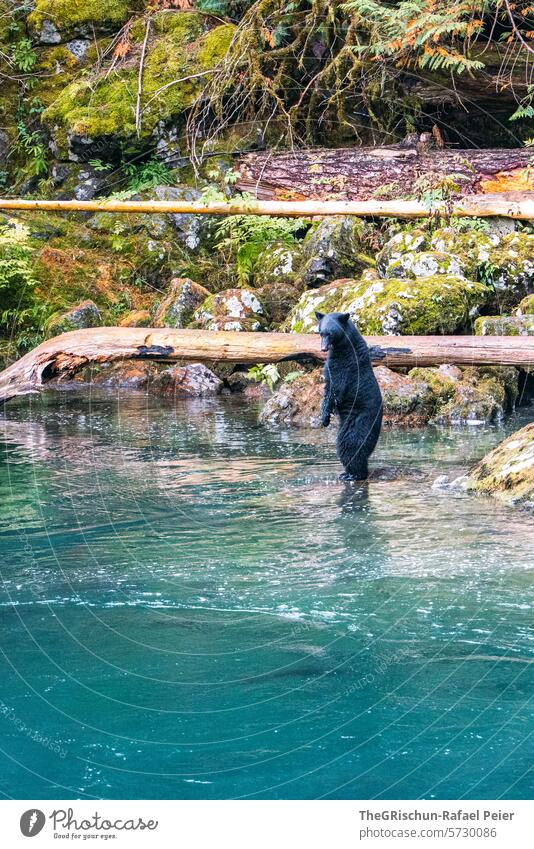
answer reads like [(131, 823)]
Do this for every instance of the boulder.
[(296, 403), (483, 395), (426, 305), (526, 306), (127, 375), (136, 318), (401, 243), (505, 325), (424, 264), (407, 399), (178, 307), (232, 309), (193, 231), (330, 250), (83, 315), (191, 381), (275, 277), (507, 472)]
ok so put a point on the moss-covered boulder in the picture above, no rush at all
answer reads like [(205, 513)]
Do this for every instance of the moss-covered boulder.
[(507, 472), (526, 306), (506, 262), (414, 264), (426, 305), (193, 231), (404, 242), (68, 17), (505, 325), (136, 318), (178, 307), (296, 403), (233, 309), (330, 250), (482, 395), (275, 276), (83, 315), (103, 104)]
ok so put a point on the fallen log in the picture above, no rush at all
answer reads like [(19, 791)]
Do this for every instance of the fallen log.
[(65, 354), (366, 173), (518, 205)]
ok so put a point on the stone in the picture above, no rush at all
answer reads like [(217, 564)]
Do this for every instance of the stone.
[(505, 325), (126, 375), (483, 395), (526, 306), (85, 314), (296, 403), (424, 264), (177, 308), (49, 34), (426, 305), (193, 231), (232, 309), (407, 241), (507, 472), (191, 381), (275, 277), (330, 250), (406, 399), (78, 47), (136, 318)]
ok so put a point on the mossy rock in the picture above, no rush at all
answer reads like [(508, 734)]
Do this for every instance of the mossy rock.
[(177, 308), (232, 309), (81, 16), (275, 276), (505, 325), (411, 265), (526, 306), (483, 395), (105, 105), (81, 316), (405, 242), (507, 472), (136, 318), (331, 250), (427, 305)]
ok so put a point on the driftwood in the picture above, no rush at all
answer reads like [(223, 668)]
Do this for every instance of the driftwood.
[(370, 173), (65, 354), (506, 204)]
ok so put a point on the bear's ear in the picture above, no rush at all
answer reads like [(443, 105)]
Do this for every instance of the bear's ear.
[(319, 315), (344, 317)]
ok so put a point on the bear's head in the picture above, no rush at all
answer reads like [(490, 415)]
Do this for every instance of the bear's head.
[(333, 328)]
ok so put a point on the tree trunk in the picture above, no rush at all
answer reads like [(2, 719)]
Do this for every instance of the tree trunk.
[(372, 173), (65, 354)]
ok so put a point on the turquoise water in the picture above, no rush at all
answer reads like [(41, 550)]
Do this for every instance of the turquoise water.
[(193, 607)]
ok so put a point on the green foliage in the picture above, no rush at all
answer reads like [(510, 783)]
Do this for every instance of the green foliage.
[(23, 55), (267, 374), (22, 315), (146, 175), (31, 144), (245, 236)]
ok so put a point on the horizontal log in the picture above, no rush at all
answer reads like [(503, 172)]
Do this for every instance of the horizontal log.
[(518, 205), (360, 173), (65, 354)]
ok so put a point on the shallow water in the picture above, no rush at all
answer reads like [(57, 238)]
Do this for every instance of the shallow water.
[(193, 607)]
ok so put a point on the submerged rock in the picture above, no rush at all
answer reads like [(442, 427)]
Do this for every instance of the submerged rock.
[(505, 325), (233, 309), (507, 472), (178, 307), (426, 305), (83, 315), (192, 381), (330, 250)]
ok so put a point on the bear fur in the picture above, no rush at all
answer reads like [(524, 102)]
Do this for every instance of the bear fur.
[(351, 390)]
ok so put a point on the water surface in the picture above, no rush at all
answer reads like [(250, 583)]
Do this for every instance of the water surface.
[(192, 606)]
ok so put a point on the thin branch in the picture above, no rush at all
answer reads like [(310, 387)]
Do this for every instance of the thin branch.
[(140, 79)]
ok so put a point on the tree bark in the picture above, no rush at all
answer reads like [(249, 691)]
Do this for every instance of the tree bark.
[(65, 354), (370, 173), (518, 205)]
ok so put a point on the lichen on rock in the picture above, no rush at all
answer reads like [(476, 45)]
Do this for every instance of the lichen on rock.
[(505, 325), (83, 315), (483, 395), (507, 472), (331, 250), (178, 307), (426, 305), (232, 309)]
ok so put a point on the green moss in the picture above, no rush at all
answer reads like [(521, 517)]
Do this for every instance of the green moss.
[(106, 105), (66, 14), (507, 472), (439, 304)]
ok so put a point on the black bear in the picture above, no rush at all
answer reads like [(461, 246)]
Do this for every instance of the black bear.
[(351, 390)]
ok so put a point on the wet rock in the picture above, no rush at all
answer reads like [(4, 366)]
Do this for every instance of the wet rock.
[(401, 243), (507, 472), (505, 325), (483, 395), (330, 250), (177, 308), (83, 315), (407, 400), (426, 305), (232, 309), (526, 306), (127, 375), (190, 381), (193, 231), (424, 264), (296, 404), (136, 318)]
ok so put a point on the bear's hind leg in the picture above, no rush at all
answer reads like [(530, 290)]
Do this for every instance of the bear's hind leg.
[(352, 450)]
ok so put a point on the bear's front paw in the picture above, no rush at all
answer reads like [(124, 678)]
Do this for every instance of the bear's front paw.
[(325, 421)]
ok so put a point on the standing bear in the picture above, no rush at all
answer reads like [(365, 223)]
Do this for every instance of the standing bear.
[(351, 390)]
